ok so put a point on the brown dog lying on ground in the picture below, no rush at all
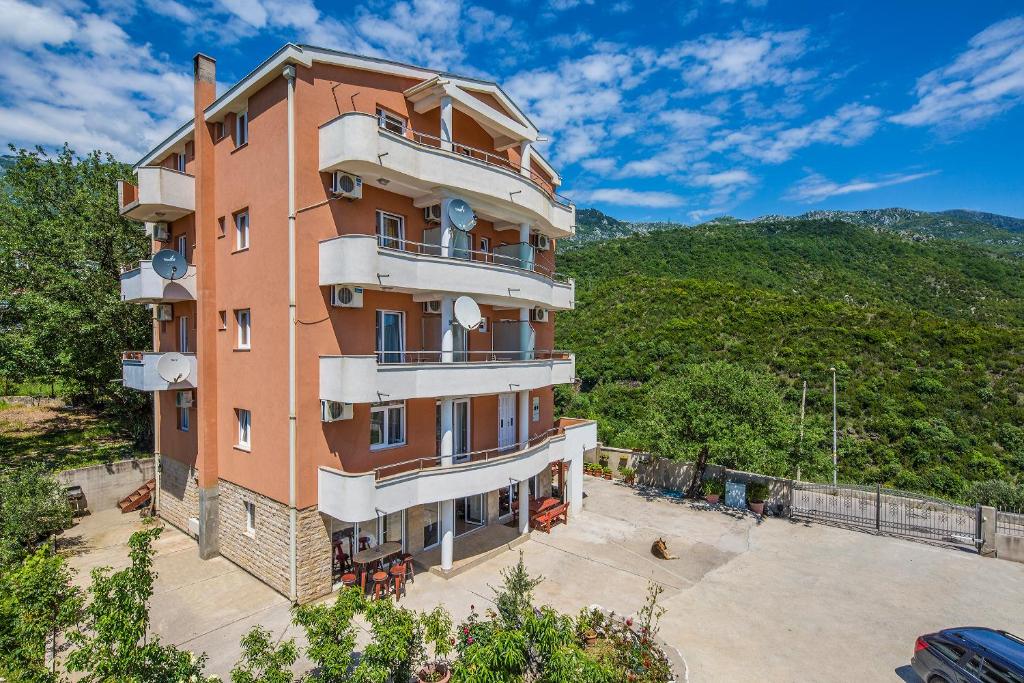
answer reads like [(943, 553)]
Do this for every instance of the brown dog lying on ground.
[(659, 549)]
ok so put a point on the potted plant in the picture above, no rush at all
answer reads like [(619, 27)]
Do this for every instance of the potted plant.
[(606, 472), (603, 459), (713, 490), (757, 494), (437, 632), (628, 475), (623, 462)]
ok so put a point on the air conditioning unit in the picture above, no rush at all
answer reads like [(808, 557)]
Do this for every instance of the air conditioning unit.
[(347, 185), (539, 315), (543, 243), (161, 233), (164, 313), (332, 411), (343, 296), (432, 214), (183, 399), (432, 306)]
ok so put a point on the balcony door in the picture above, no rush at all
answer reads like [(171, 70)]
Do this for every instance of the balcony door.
[(390, 337), (460, 430), (390, 230), (506, 421)]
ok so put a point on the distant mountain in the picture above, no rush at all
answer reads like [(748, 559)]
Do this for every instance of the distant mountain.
[(6, 161), (1003, 233)]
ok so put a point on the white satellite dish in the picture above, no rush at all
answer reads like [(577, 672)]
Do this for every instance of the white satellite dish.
[(467, 313), (173, 367), (461, 215)]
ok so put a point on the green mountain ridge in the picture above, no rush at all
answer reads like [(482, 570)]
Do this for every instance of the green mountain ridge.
[(925, 332)]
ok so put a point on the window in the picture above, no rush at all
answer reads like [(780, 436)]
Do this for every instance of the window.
[(242, 128), (218, 130), (536, 408), (390, 230), (953, 652), (182, 245), (244, 428), (243, 321), (391, 122), (387, 425), (390, 337), (242, 230), (485, 244), (223, 320), (250, 518), (221, 227), (483, 324), (180, 161), (431, 525), (994, 672), (183, 334), (183, 420)]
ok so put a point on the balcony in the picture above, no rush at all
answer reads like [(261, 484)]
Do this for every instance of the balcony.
[(500, 278), (421, 374), (416, 165), (390, 488), (163, 194), (139, 371), (143, 286)]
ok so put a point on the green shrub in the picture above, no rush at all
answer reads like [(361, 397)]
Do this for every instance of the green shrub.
[(757, 492), (714, 487)]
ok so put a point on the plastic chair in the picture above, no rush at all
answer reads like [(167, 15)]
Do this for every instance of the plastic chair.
[(380, 584)]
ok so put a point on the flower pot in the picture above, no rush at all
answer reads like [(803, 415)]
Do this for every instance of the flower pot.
[(630, 481), (712, 498), (607, 475), (590, 637), (757, 507), (434, 673)]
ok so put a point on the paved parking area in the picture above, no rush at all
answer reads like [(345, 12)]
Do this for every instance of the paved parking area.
[(775, 600)]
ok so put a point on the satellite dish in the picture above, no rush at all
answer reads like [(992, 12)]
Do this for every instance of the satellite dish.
[(467, 313), (170, 264), (460, 215), (173, 367)]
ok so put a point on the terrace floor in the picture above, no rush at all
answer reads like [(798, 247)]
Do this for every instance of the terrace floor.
[(774, 600)]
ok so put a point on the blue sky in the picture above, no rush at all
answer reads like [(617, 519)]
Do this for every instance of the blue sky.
[(653, 110)]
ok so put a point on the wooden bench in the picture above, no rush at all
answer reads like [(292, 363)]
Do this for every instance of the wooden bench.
[(544, 520)]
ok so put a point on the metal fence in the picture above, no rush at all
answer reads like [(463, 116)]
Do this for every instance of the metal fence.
[(888, 511), (1010, 522)]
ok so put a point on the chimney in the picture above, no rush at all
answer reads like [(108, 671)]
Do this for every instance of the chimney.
[(204, 257)]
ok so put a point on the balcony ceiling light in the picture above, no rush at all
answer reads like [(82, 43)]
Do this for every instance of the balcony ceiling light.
[(383, 181)]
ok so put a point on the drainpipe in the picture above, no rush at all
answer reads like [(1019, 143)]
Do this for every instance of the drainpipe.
[(289, 74)]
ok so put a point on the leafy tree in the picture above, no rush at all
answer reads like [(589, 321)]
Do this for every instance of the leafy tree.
[(113, 644), (331, 634), (999, 493), (37, 604), (33, 506), (263, 661), (62, 248), (722, 414), (397, 644)]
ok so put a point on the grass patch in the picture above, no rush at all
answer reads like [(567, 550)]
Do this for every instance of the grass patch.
[(59, 438)]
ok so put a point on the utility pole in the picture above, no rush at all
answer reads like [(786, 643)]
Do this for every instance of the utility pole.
[(835, 431)]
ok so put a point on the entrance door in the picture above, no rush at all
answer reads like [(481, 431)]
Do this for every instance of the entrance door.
[(506, 421)]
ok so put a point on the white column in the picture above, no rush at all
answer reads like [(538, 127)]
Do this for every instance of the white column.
[(447, 533), (524, 418), (524, 313), (447, 334), (447, 433), (524, 506), (446, 123), (575, 484), (526, 154)]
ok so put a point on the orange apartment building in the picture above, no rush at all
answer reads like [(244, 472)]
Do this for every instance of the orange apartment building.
[(358, 347)]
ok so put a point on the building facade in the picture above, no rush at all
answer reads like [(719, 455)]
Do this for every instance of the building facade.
[(354, 293)]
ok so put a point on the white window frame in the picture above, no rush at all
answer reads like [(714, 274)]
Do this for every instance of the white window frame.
[(243, 328), (250, 518), (439, 525), (244, 419), (485, 244), (389, 121), (386, 409), (536, 408), (182, 247), (242, 230), (379, 327), (184, 420), (382, 238), (180, 162), (183, 334), (242, 128)]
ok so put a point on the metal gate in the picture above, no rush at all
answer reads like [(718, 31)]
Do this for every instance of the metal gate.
[(889, 511)]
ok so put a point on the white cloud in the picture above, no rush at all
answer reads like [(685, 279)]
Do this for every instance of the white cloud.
[(628, 197), (251, 12), (172, 9), (983, 81), (723, 179), (562, 5), (739, 61), (816, 187), (28, 25)]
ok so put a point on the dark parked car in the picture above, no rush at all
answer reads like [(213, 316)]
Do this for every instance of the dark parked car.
[(969, 655)]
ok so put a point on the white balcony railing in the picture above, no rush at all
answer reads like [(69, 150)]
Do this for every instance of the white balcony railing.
[(363, 379), (139, 371), (356, 143), (362, 261), (389, 488), (162, 194), (143, 285)]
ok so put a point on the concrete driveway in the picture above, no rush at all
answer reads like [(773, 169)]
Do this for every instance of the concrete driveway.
[(774, 600)]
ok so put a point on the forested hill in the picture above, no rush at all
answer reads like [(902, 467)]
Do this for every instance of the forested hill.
[(926, 336)]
